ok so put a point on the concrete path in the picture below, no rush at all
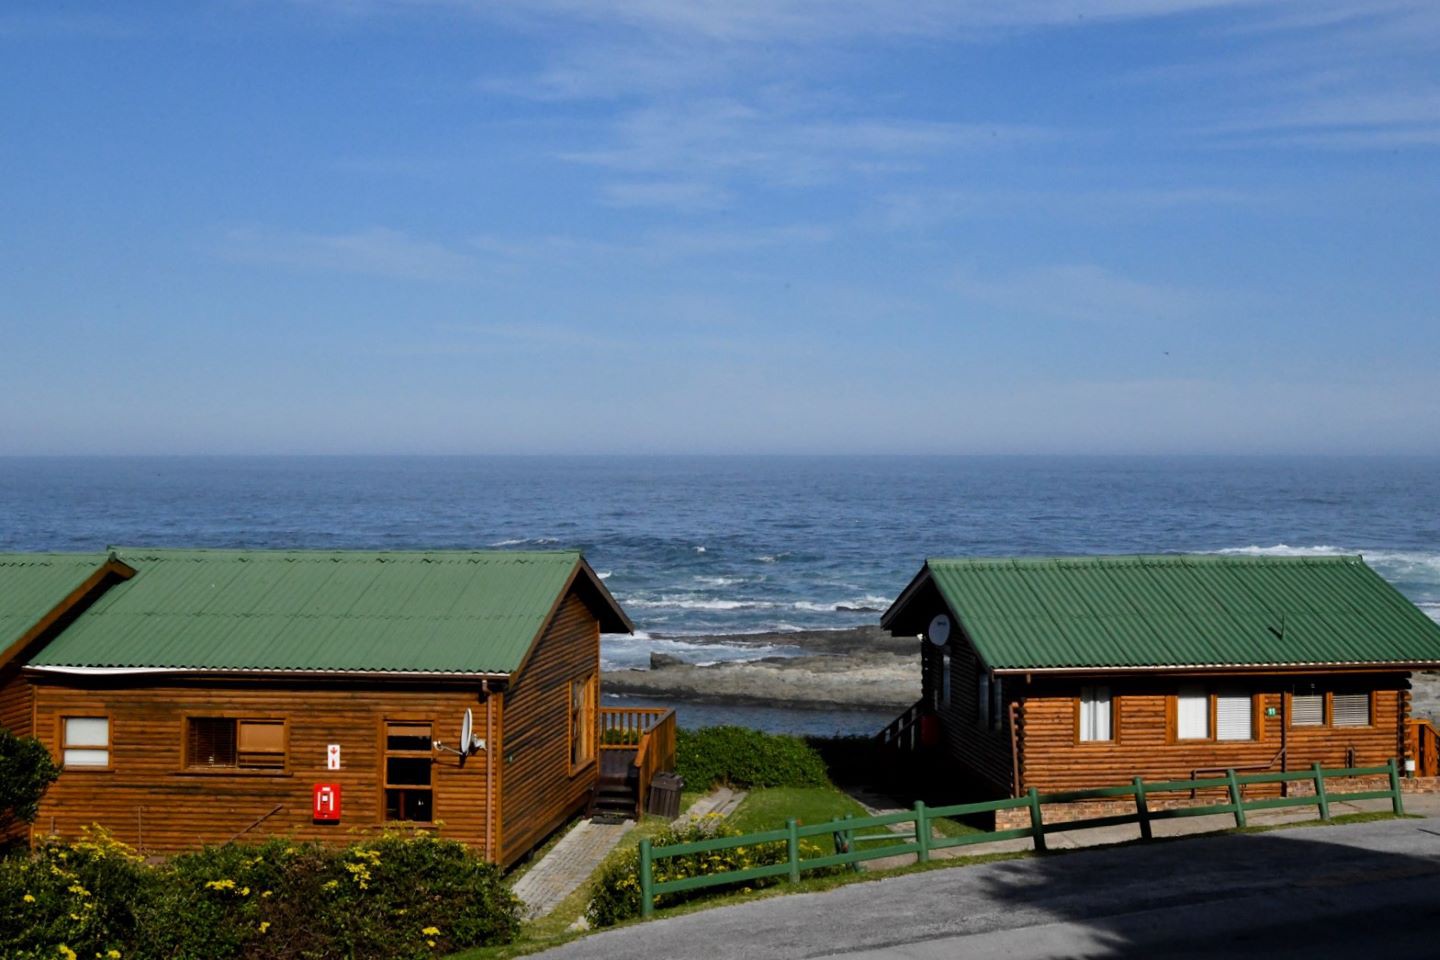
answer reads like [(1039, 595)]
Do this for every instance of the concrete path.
[(568, 864), (721, 801), (1363, 889)]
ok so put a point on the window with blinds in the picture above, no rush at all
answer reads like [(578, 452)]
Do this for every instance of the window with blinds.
[(944, 679), (1350, 709), (1307, 710), (1096, 715), (409, 757), (231, 742), (1192, 714), (1234, 716), (982, 698), (87, 742)]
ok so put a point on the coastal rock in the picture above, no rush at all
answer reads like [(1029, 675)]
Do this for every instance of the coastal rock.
[(659, 661)]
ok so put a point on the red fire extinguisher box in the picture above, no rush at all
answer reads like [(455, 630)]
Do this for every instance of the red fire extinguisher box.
[(327, 803)]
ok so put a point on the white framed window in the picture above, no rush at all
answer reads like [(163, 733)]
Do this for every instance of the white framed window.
[(1096, 715), (1350, 709), (86, 742), (982, 699), (945, 678), (1307, 710), (1192, 714), (1234, 716)]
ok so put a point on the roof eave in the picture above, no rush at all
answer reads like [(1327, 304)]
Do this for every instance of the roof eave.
[(1356, 665), (243, 673)]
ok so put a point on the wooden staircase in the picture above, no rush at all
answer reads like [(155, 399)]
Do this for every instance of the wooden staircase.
[(635, 744)]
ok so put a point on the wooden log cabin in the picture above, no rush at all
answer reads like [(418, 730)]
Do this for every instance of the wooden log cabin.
[(201, 696), (1071, 673)]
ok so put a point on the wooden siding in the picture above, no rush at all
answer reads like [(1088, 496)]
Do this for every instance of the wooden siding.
[(1145, 744), (148, 798), (538, 789), (979, 752)]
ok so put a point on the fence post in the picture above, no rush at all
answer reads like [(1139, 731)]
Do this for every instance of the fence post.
[(1320, 791), (1142, 808), (1395, 787), (792, 848), (850, 843), (1235, 798), (922, 833), (1037, 823), (647, 880)]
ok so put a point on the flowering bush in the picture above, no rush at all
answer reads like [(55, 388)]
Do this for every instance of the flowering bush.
[(397, 897), (616, 893), (68, 900)]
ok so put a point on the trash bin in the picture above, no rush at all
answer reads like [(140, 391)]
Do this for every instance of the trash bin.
[(664, 799)]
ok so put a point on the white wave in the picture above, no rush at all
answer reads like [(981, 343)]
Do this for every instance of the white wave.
[(869, 603), (700, 549), (771, 557), (1402, 564), (622, 652), (720, 581), (519, 540), (695, 604)]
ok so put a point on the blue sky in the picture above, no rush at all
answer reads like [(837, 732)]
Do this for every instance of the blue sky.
[(720, 226)]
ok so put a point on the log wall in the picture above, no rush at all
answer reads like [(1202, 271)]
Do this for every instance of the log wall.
[(539, 791), (149, 799), (1145, 745)]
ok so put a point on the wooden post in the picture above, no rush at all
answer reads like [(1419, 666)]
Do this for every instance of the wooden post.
[(1037, 823), (792, 847), (1235, 798), (1142, 809), (647, 880), (1395, 786), (850, 843), (922, 833), (1319, 775)]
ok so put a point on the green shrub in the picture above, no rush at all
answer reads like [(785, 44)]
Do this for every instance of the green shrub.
[(746, 758), (26, 771), (616, 893), (396, 897), (77, 899)]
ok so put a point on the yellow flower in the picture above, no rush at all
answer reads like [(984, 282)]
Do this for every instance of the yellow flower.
[(431, 931), (112, 954), (330, 884), (244, 891), (76, 888), (264, 925), (28, 898), (66, 952), (226, 884), (430, 944), (266, 893)]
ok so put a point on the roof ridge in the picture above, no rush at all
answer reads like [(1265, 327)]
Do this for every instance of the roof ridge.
[(1139, 559)]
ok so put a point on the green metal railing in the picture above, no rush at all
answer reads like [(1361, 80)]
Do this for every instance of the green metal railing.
[(850, 852)]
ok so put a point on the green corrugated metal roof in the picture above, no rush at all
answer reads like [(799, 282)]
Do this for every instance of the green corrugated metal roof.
[(33, 584), (1174, 611), (440, 612)]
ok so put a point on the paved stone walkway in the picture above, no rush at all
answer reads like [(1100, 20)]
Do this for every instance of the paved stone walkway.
[(721, 801), (569, 864)]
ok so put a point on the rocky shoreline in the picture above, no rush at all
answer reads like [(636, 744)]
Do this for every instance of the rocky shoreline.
[(859, 668)]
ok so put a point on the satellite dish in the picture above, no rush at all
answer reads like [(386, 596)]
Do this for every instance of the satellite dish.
[(939, 630), (467, 727)]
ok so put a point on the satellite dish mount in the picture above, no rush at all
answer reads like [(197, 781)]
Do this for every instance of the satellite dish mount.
[(469, 743)]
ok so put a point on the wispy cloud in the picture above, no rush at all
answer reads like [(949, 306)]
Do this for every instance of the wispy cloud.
[(1083, 293), (376, 251), (686, 196)]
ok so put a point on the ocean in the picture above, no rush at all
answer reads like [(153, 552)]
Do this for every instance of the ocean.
[(722, 546)]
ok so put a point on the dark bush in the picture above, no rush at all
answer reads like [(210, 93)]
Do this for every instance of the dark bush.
[(746, 758), (396, 897), (26, 771)]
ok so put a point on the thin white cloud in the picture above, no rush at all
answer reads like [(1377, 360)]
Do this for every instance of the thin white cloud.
[(675, 195), (1082, 293), (376, 251)]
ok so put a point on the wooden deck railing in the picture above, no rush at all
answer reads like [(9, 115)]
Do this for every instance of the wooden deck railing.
[(650, 733), (1422, 743), (903, 733)]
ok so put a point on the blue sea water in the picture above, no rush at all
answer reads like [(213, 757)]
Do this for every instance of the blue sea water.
[(735, 545)]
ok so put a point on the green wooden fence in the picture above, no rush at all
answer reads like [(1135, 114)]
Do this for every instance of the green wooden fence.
[(851, 848)]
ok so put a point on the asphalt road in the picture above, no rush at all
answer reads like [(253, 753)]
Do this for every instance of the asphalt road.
[(1346, 891)]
